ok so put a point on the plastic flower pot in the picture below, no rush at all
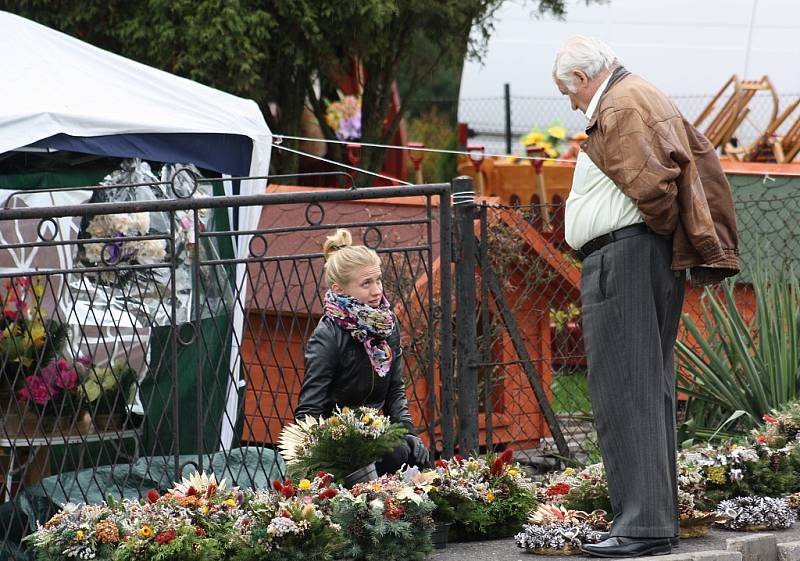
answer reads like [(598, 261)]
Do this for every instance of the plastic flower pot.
[(362, 475), (439, 535)]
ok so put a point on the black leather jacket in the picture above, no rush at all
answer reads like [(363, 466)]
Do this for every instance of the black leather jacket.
[(338, 372)]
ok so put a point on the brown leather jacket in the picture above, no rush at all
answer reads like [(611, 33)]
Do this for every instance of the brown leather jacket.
[(640, 140)]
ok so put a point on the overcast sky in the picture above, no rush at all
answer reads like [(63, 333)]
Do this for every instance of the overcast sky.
[(682, 46)]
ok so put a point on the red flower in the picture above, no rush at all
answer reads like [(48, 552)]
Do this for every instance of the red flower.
[(277, 485), (35, 389), (769, 419), (441, 464), (286, 514), (199, 532), (761, 438), (152, 496), (328, 493), (459, 459), (325, 478), (392, 510), (557, 490), (288, 490), (497, 467), (191, 491), (507, 456), (210, 490), (166, 536)]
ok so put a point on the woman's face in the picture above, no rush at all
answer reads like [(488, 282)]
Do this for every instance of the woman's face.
[(365, 285)]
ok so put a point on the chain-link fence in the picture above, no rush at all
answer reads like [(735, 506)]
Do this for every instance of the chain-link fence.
[(539, 279), (486, 117)]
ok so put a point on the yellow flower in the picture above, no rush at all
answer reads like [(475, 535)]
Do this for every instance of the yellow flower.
[(490, 497), (230, 503), (377, 422), (38, 334), (333, 421), (366, 419), (11, 331), (80, 535), (473, 465), (145, 531), (204, 509), (304, 485), (551, 152), (513, 472), (533, 137), (557, 132), (717, 474), (569, 472), (376, 487)]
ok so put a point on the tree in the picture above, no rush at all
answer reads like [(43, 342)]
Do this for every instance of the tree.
[(278, 52)]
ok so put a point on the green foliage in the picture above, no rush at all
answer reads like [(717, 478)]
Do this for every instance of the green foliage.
[(273, 51), (435, 131), (341, 444), (186, 546), (501, 518), (374, 537), (741, 365)]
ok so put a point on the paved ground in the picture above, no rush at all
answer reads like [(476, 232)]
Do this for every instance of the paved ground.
[(507, 550)]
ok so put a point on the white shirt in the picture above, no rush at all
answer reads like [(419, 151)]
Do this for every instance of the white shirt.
[(595, 205)]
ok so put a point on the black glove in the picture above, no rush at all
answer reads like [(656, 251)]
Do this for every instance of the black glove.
[(420, 456)]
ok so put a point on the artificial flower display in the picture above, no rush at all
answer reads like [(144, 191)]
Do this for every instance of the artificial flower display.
[(291, 522), (344, 117), (485, 497), (580, 490), (550, 139), (79, 532), (556, 538), (346, 441), (757, 513), (384, 520), (28, 340)]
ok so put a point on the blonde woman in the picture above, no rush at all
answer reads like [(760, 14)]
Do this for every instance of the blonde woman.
[(353, 357)]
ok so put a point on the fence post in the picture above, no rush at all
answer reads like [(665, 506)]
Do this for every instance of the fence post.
[(466, 331), (507, 100)]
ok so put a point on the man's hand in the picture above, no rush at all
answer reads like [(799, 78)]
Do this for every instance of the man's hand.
[(419, 452)]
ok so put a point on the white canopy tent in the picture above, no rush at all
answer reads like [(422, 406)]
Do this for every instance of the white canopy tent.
[(61, 93)]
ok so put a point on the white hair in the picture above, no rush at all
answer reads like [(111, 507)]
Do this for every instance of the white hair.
[(587, 54)]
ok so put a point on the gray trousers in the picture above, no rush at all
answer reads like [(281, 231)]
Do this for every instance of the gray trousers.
[(631, 308)]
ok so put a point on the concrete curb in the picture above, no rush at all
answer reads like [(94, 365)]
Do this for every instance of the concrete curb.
[(789, 551), (719, 545)]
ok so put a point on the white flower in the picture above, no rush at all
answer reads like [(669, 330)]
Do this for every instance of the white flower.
[(296, 437), (281, 526), (201, 482), (376, 504)]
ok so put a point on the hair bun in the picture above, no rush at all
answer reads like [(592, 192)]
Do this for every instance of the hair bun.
[(340, 239)]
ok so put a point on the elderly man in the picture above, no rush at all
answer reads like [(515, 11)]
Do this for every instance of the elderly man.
[(649, 201)]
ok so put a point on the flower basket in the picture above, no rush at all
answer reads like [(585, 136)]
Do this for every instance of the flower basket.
[(556, 538), (350, 438), (485, 498), (385, 520), (696, 528), (756, 514)]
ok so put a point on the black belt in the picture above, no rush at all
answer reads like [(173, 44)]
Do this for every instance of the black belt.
[(627, 232)]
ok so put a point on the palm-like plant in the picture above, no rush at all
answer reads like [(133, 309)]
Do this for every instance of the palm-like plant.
[(742, 369)]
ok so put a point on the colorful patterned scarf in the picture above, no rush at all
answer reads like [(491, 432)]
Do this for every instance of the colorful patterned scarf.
[(368, 325)]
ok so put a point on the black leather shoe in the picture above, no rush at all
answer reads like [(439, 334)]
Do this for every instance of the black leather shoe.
[(628, 547), (673, 541)]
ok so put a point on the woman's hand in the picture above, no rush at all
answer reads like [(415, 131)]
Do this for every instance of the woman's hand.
[(419, 452)]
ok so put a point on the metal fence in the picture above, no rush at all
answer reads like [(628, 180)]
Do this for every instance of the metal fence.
[(210, 340), (486, 117), (128, 361)]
